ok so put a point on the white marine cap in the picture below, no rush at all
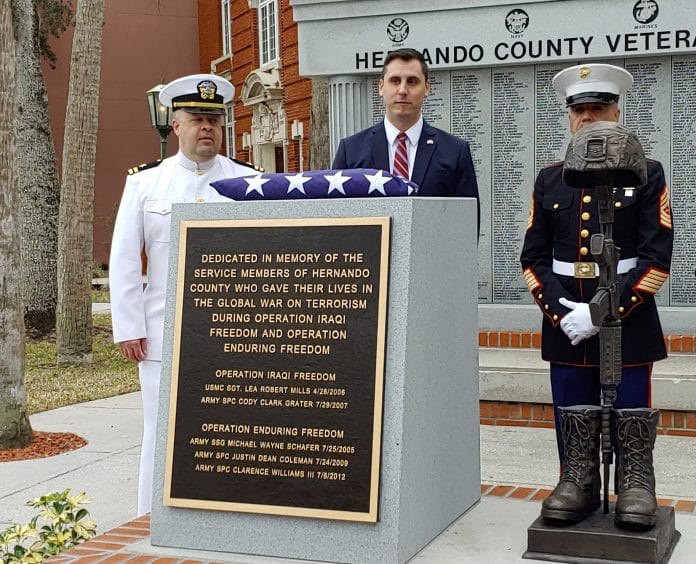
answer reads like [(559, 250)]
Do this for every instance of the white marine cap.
[(198, 93), (592, 84)]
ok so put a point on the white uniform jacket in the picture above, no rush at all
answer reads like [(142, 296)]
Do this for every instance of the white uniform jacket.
[(143, 221)]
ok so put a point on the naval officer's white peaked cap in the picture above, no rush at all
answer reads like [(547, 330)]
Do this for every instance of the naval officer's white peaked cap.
[(198, 93), (592, 83)]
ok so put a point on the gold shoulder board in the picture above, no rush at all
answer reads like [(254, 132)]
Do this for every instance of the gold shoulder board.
[(250, 165), (144, 166)]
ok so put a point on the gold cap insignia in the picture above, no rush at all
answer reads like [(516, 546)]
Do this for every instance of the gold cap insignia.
[(584, 72), (207, 89)]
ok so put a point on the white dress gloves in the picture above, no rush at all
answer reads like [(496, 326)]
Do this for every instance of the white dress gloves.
[(577, 324)]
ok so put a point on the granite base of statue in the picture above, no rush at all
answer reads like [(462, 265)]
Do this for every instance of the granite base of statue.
[(319, 393), (577, 525)]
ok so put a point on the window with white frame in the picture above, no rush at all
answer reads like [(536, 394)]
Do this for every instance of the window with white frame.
[(268, 30), (229, 130), (226, 27)]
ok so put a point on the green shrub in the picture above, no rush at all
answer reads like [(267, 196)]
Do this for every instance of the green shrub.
[(66, 525)]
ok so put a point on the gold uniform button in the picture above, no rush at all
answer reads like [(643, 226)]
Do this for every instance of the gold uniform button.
[(199, 199), (584, 233), (585, 216), (555, 317), (546, 306), (622, 309), (617, 204), (584, 251), (634, 299), (555, 206), (587, 199), (539, 296)]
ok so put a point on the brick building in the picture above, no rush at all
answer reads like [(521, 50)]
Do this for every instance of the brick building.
[(253, 43)]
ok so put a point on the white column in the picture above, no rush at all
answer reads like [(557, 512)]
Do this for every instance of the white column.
[(348, 103)]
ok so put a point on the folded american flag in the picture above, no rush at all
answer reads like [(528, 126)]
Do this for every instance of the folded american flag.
[(349, 183)]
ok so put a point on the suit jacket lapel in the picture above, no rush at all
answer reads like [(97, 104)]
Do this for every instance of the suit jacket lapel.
[(379, 149), (426, 147)]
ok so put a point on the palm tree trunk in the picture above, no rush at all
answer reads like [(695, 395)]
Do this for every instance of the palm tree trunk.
[(74, 314), (319, 157), (37, 178), (15, 429)]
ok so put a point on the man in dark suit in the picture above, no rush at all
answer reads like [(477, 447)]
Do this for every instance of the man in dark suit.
[(439, 163)]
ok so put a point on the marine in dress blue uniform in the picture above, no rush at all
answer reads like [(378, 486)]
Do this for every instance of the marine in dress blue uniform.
[(560, 272)]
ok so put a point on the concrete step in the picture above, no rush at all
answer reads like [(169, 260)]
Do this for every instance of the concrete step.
[(520, 375)]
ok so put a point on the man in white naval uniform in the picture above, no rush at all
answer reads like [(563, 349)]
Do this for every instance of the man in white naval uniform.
[(143, 222)]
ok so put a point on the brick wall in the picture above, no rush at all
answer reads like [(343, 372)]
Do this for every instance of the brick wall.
[(532, 340), (297, 91), (209, 33), (677, 423), (245, 58)]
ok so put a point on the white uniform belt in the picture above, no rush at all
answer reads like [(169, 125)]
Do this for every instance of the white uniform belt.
[(590, 269)]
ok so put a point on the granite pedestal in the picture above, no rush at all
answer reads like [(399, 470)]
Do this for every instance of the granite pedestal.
[(430, 472)]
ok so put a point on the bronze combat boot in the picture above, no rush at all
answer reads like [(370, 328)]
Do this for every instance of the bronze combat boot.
[(577, 492), (636, 506)]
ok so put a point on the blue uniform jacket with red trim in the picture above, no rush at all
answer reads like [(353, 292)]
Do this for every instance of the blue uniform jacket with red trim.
[(561, 221)]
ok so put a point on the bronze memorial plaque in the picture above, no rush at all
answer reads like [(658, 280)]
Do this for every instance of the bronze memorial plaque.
[(278, 367)]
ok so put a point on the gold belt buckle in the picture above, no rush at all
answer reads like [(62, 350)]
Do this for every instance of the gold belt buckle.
[(584, 269)]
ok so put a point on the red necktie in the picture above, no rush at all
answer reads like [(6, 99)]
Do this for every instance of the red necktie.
[(400, 167)]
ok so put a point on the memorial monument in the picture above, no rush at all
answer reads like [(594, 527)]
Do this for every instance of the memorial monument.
[(319, 397)]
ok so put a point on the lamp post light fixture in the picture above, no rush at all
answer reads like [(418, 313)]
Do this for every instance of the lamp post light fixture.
[(160, 117)]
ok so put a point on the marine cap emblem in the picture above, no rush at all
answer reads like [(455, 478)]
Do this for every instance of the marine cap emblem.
[(207, 89), (584, 72)]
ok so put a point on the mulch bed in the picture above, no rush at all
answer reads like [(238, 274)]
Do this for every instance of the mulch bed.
[(43, 445)]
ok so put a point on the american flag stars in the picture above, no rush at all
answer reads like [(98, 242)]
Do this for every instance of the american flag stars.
[(297, 182), (336, 182), (255, 184), (377, 182)]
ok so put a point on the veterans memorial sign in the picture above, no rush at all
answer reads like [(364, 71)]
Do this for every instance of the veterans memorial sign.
[(278, 367), (451, 34)]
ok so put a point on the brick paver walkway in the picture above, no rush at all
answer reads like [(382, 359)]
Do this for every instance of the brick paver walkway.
[(114, 545)]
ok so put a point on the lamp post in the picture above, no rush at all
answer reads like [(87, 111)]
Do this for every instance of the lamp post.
[(160, 117)]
